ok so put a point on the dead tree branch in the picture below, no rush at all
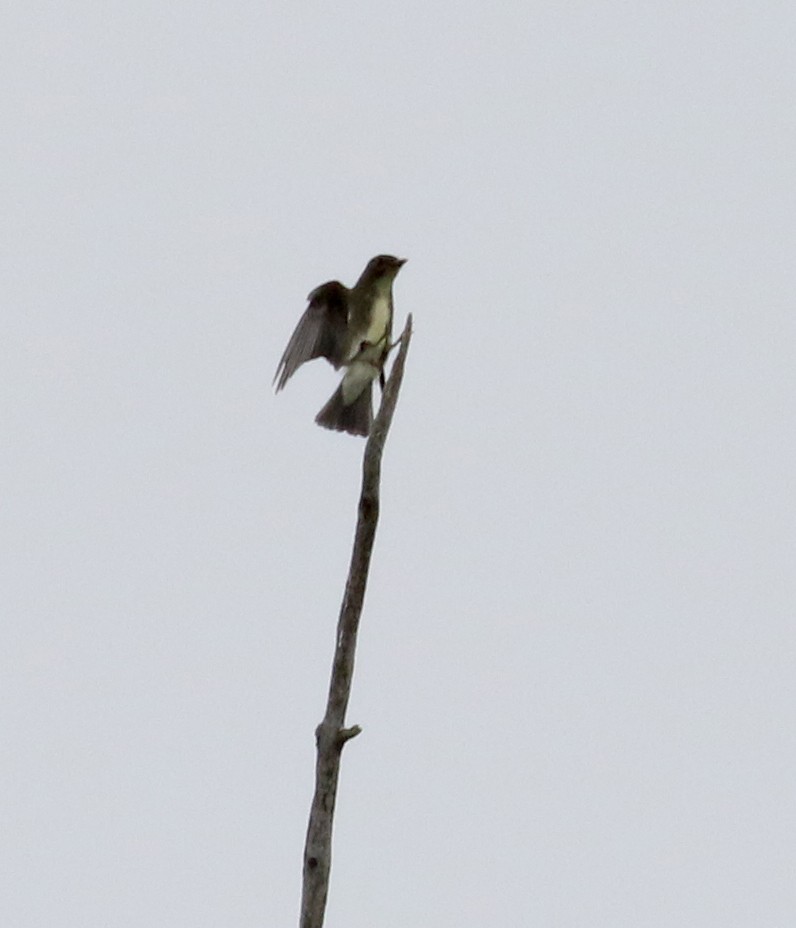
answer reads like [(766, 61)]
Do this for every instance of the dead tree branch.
[(331, 734)]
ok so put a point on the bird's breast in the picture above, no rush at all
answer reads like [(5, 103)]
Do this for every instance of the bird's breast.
[(379, 320)]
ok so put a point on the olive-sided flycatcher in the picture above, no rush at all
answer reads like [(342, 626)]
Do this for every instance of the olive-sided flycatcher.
[(351, 328)]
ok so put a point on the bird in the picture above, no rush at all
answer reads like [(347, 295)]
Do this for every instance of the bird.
[(351, 328)]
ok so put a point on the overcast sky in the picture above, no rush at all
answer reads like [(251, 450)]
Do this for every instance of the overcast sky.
[(576, 664)]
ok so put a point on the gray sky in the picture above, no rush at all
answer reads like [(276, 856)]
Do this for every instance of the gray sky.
[(576, 666)]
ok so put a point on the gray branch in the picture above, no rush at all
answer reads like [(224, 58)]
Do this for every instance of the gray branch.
[(331, 734)]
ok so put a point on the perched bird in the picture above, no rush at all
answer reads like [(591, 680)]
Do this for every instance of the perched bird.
[(351, 328)]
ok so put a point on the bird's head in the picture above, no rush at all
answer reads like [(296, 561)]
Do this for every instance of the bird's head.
[(384, 266)]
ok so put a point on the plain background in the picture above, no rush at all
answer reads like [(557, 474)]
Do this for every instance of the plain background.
[(576, 665)]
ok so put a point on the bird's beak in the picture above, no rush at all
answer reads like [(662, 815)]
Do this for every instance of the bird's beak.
[(402, 261)]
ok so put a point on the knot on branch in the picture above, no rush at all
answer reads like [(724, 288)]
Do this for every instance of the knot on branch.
[(369, 506)]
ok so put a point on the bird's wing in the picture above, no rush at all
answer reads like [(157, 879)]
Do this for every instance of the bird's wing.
[(321, 332)]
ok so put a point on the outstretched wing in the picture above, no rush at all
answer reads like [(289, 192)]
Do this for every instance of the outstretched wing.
[(321, 332)]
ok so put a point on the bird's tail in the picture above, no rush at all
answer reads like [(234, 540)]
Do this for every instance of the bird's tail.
[(355, 418)]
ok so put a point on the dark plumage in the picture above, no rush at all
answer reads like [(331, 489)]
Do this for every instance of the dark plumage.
[(321, 332)]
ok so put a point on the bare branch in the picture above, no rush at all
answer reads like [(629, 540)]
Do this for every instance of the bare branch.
[(331, 734)]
